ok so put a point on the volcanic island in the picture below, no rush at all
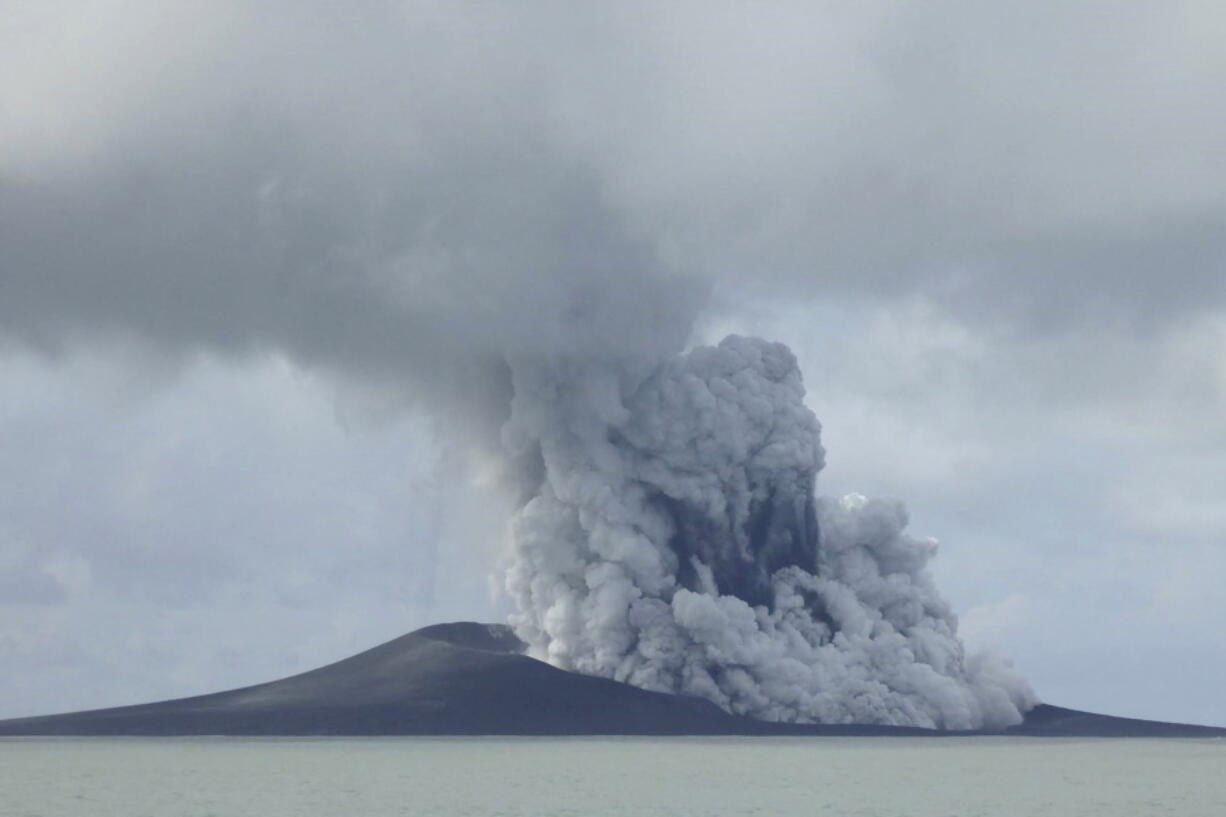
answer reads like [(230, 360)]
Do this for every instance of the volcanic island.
[(467, 678)]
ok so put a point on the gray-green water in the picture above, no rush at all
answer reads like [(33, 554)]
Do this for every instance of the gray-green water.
[(542, 777)]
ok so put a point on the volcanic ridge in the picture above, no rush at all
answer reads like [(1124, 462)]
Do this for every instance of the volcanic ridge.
[(473, 679)]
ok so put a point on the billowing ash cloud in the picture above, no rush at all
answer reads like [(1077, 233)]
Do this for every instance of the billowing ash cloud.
[(675, 543)]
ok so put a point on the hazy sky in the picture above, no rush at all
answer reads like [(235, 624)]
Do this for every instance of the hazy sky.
[(253, 260)]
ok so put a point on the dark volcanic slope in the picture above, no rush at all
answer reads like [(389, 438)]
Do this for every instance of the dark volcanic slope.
[(469, 679), (1046, 720), (446, 679)]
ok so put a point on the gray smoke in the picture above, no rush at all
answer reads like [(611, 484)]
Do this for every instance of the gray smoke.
[(675, 543)]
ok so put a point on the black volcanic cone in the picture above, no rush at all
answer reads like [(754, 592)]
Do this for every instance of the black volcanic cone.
[(446, 679), (470, 679)]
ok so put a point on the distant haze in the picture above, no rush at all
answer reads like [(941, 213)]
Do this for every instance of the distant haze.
[(274, 281)]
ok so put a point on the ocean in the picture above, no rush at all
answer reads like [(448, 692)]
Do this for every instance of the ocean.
[(552, 777)]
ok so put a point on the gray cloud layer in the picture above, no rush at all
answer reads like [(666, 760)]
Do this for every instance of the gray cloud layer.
[(335, 183)]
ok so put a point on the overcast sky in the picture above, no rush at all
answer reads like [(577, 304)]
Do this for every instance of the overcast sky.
[(255, 262)]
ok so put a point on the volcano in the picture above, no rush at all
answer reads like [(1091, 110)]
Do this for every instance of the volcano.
[(473, 679)]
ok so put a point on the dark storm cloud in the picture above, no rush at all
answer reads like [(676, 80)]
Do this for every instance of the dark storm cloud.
[(964, 151), (377, 194), (395, 186)]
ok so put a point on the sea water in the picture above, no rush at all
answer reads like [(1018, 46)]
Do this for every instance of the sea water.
[(544, 777)]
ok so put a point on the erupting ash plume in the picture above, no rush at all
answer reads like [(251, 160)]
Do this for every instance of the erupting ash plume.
[(675, 543)]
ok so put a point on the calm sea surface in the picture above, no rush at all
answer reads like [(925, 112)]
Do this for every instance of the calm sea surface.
[(542, 777)]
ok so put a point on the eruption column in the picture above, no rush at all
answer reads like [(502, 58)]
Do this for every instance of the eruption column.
[(674, 542)]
